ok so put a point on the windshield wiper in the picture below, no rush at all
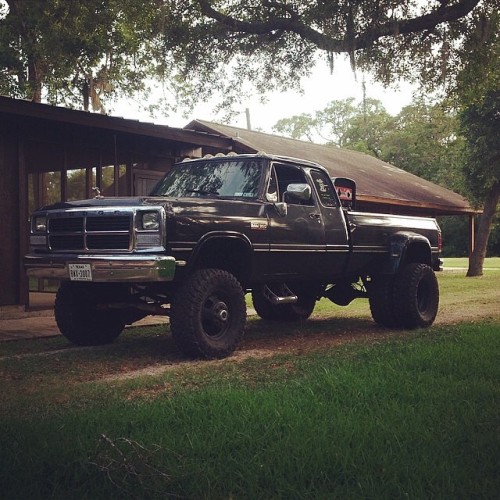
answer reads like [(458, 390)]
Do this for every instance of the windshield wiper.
[(202, 191)]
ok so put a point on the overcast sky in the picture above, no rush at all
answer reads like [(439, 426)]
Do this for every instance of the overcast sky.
[(320, 89)]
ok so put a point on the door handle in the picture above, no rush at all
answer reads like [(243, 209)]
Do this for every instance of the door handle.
[(315, 216)]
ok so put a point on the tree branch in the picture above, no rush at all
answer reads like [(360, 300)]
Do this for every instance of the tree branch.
[(292, 23)]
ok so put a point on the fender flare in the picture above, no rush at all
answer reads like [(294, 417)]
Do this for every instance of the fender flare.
[(399, 246), (212, 237)]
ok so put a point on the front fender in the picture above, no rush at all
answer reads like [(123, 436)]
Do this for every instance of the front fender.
[(231, 251)]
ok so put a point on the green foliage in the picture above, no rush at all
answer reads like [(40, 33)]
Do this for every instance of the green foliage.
[(477, 96), (77, 53), (198, 48), (369, 129), (385, 36), (480, 123), (426, 142)]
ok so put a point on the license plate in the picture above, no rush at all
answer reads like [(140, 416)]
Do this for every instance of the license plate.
[(80, 272)]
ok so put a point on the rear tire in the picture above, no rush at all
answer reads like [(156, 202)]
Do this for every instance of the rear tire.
[(381, 300), (79, 317), (416, 296), (208, 314)]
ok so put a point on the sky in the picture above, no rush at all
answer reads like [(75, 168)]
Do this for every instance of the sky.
[(319, 89)]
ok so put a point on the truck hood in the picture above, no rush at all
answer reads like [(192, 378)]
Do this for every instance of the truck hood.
[(136, 201), (173, 206)]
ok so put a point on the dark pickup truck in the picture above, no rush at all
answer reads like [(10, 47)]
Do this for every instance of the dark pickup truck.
[(216, 228)]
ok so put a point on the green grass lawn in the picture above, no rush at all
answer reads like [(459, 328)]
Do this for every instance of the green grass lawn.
[(414, 417), (397, 415), (463, 262)]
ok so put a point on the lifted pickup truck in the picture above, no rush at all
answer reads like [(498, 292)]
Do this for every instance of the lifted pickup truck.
[(216, 228)]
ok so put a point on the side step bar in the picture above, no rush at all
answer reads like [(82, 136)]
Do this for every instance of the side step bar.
[(286, 295)]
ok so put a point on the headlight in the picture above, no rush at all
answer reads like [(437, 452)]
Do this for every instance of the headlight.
[(149, 221), (39, 224)]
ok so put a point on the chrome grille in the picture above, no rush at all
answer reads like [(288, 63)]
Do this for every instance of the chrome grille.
[(90, 232)]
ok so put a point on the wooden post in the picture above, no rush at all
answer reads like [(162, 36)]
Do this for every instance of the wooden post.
[(88, 182), (116, 178), (23, 297), (64, 176), (129, 173)]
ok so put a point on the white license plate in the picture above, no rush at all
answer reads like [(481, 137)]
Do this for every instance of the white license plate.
[(80, 272)]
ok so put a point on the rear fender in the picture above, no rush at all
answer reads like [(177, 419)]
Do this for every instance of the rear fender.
[(406, 247)]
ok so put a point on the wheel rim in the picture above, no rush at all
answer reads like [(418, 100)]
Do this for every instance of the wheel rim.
[(215, 316)]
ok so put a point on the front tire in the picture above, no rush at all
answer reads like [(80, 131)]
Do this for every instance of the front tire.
[(416, 296), (79, 317), (208, 314)]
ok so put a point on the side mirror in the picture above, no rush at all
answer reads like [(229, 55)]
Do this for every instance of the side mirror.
[(346, 191), (301, 192)]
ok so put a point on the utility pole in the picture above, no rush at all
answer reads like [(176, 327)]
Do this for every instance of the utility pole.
[(363, 86), (247, 113)]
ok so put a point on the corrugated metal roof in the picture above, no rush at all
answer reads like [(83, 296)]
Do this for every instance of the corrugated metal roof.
[(377, 182)]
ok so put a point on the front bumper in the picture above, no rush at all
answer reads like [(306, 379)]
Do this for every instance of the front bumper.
[(103, 268)]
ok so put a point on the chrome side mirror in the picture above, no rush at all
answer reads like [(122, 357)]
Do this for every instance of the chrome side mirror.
[(301, 192)]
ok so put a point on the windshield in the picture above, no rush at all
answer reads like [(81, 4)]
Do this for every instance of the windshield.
[(225, 178)]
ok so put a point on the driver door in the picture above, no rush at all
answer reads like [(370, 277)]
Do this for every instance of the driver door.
[(297, 234)]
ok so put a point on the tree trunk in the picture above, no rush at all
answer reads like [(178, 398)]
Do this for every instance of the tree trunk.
[(35, 82), (476, 260)]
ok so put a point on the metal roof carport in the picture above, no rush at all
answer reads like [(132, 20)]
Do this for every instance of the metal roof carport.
[(38, 138)]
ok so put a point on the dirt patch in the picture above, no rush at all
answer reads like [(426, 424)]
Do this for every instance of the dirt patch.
[(315, 334)]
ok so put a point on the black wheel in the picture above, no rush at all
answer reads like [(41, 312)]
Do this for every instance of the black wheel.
[(381, 300), (416, 296), (208, 314), (298, 311), (79, 316)]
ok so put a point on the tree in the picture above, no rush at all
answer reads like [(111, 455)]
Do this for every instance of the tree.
[(342, 123), (339, 26), (368, 130), (72, 50), (329, 125), (477, 95), (426, 141), (302, 127), (227, 45), (75, 53), (481, 126)]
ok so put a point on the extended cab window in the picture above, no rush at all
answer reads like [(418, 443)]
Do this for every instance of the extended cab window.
[(281, 178), (224, 178), (324, 188)]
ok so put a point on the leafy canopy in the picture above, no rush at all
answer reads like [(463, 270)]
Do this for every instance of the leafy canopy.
[(66, 50)]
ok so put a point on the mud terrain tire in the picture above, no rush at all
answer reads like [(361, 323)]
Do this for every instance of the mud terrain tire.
[(79, 317), (381, 300), (208, 314), (416, 296)]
